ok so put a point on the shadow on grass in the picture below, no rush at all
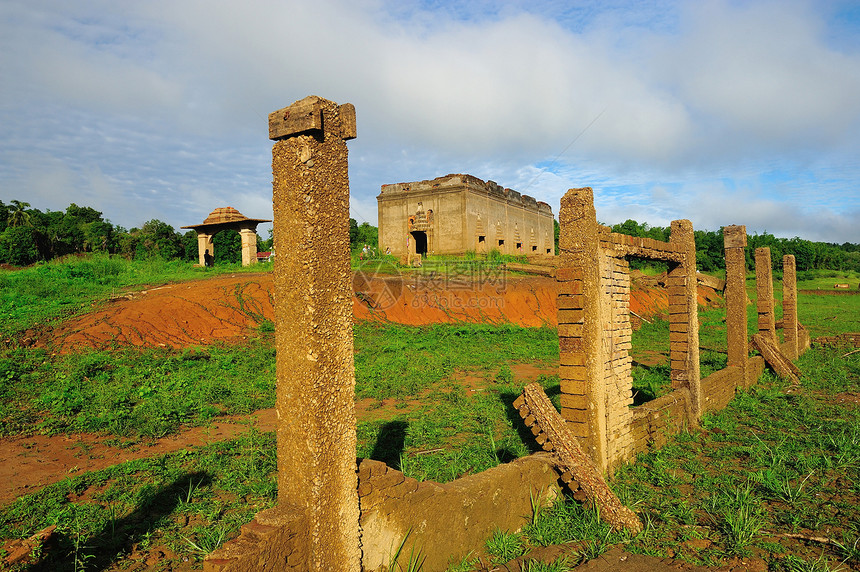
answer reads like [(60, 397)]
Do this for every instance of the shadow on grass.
[(390, 443), (118, 537)]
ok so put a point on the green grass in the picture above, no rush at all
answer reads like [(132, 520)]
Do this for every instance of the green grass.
[(398, 361), (187, 502), (773, 461), (39, 295), (132, 392)]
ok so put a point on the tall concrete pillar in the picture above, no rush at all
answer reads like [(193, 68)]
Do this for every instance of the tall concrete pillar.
[(764, 293), (735, 242), (684, 315), (313, 327), (582, 357), (789, 305)]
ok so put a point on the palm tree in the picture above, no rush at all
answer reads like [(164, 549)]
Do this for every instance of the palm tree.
[(18, 216)]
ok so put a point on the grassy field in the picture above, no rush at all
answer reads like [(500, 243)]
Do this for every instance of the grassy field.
[(773, 467)]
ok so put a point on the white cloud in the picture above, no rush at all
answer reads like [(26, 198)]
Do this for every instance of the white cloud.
[(159, 108)]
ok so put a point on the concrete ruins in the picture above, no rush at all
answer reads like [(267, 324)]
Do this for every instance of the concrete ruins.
[(594, 328), (335, 513), (227, 218), (594, 332), (456, 213)]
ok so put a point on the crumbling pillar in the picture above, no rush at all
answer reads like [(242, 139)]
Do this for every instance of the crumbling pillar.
[(735, 241), (789, 305), (249, 246), (583, 402), (684, 315), (313, 327), (205, 242), (764, 293)]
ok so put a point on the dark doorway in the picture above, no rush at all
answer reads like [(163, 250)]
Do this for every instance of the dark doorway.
[(420, 241)]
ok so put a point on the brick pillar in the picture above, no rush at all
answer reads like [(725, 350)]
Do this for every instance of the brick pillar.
[(684, 315), (764, 293), (313, 327), (789, 304), (735, 241), (583, 400)]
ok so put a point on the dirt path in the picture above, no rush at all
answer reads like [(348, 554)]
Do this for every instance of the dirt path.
[(29, 463)]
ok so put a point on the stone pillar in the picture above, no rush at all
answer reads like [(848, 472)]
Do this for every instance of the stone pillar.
[(313, 327), (764, 293), (583, 400), (684, 315), (204, 243), (735, 241), (249, 246), (789, 305)]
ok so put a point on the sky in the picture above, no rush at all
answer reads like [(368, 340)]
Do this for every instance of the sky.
[(721, 112)]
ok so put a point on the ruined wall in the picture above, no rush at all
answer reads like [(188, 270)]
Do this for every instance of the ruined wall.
[(464, 208), (656, 421), (447, 521), (595, 329)]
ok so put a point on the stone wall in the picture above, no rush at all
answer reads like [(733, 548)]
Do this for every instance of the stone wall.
[(445, 522)]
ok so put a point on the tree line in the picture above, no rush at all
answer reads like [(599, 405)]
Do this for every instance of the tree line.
[(710, 253), (28, 235)]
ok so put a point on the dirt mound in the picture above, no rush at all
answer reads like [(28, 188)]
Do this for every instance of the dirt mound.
[(226, 308)]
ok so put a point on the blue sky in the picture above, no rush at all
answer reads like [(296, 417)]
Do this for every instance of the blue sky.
[(721, 112)]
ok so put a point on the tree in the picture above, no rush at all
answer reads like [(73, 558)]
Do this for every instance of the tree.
[(228, 247), (157, 238), (4, 214), (19, 216), (18, 246), (189, 245)]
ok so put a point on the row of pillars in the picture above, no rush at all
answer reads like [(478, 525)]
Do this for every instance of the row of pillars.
[(735, 242)]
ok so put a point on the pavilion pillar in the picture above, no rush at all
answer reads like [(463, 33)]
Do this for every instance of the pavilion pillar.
[(249, 246), (205, 242)]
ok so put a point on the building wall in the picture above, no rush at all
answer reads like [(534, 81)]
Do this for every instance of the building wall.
[(464, 208)]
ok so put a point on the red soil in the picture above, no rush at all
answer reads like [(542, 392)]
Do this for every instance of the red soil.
[(224, 308)]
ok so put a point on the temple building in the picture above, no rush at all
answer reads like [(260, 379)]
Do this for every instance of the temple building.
[(457, 213)]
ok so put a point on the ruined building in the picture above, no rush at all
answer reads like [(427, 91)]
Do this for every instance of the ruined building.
[(456, 213)]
